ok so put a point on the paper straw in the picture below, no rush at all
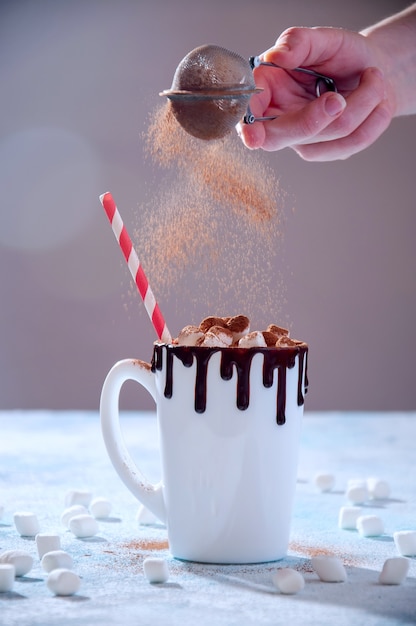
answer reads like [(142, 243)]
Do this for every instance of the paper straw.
[(135, 267)]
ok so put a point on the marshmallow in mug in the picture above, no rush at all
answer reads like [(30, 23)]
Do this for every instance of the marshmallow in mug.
[(224, 332), (217, 333), (217, 337)]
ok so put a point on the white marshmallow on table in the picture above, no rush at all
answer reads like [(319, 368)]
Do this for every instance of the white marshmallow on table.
[(330, 569), (27, 524), (146, 517), (324, 482), (63, 582), (357, 491), (405, 541), (21, 559), (356, 482), (348, 515), (370, 526), (71, 511), (100, 507), (83, 526), (288, 580), (7, 575), (394, 571), (254, 339), (156, 570), (56, 559), (78, 497), (378, 489), (46, 543)]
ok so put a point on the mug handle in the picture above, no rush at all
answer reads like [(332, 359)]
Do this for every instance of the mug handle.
[(128, 369)]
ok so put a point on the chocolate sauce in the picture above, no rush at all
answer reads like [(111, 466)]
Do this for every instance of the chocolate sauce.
[(280, 359)]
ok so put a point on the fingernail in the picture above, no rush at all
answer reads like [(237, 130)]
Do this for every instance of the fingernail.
[(334, 104), (282, 46), (279, 47), (376, 71)]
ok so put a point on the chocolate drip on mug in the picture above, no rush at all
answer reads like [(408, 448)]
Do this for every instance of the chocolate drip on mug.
[(280, 359)]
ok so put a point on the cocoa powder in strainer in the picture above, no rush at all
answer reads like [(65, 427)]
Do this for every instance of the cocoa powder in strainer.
[(211, 230)]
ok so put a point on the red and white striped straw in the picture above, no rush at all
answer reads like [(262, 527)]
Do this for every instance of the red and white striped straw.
[(135, 268)]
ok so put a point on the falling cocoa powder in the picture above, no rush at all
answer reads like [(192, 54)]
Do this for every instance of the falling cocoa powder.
[(211, 232), (221, 169)]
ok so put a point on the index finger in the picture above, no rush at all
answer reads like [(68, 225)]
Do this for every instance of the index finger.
[(327, 49)]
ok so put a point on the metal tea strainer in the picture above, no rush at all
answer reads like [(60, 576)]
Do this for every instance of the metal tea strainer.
[(211, 89)]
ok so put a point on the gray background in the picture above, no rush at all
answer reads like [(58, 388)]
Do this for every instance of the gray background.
[(78, 79)]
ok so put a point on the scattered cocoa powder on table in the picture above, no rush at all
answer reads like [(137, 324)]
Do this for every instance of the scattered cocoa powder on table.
[(308, 551), (211, 231), (147, 545)]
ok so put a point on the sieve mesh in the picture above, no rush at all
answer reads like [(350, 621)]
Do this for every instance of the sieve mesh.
[(210, 91)]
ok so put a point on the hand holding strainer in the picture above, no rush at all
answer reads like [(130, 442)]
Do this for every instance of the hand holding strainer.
[(211, 89)]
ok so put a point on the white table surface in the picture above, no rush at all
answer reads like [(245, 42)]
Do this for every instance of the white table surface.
[(45, 454)]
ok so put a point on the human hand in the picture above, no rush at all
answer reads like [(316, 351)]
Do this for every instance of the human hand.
[(335, 125)]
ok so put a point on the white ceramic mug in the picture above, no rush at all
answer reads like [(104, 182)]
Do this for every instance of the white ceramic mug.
[(229, 424)]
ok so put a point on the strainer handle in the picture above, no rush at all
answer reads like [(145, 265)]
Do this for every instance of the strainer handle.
[(250, 119), (255, 61)]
